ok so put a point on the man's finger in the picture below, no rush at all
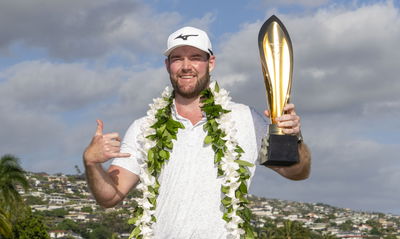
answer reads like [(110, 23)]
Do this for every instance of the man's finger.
[(121, 155), (289, 106), (289, 109), (112, 136), (288, 118), (99, 130), (266, 112)]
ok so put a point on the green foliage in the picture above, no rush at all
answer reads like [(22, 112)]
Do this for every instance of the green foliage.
[(293, 229), (390, 237), (87, 209), (116, 221), (32, 200), (375, 231), (166, 129), (11, 176), (78, 228), (59, 212), (289, 230), (29, 225), (100, 232), (5, 225), (215, 138), (346, 226), (68, 225)]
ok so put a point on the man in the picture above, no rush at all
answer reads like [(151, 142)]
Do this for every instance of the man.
[(189, 201)]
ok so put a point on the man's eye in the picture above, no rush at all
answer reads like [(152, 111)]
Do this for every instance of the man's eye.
[(196, 58)]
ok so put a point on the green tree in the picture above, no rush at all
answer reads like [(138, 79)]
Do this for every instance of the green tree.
[(293, 230), (5, 225), (87, 209), (329, 236), (289, 230), (115, 221), (68, 225), (11, 175), (346, 226), (268, 230), (32, 200), (59, 212), (100, 232), (28, 226), (390, 237), (376, 231)]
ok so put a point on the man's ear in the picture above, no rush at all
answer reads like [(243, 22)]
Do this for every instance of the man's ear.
[(166, 62), (211, 62)]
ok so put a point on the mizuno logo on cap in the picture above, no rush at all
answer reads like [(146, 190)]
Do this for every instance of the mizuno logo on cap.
[(185, 37)]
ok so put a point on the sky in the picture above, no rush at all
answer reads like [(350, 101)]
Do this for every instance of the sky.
[(66, 63)]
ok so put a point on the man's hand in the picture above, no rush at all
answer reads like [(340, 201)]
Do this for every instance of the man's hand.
[(289, 121), (103, 147), (290, 124)]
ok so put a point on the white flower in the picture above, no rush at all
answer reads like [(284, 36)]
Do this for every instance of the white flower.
[(140, 186), (146, 217), (147, 179), (229, 167), (146, 231), (159, 103), (222, 98), (167, 92)]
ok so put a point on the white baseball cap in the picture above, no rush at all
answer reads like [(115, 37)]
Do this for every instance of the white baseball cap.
[(189, 36)]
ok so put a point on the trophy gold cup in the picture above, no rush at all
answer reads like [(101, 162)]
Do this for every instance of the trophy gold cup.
[(276, 54)]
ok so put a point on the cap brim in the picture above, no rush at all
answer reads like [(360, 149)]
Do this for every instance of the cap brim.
[(167, 52)]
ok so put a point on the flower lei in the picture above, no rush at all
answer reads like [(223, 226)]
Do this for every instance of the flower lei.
[(158, 131)]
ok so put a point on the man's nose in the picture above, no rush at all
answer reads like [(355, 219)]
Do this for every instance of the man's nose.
[(187, 64)]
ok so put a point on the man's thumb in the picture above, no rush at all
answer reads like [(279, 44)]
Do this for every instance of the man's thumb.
[(99, 130)]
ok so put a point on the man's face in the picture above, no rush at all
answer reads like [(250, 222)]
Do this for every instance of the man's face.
[(189, 69)]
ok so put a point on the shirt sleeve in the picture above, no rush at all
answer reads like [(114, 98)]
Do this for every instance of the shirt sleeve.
[(129, 145), (260, 126)]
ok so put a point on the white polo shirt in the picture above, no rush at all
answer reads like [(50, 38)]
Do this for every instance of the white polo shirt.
[(189, 203)]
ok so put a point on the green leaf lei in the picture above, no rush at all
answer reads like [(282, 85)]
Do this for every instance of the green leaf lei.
[(234, 172)]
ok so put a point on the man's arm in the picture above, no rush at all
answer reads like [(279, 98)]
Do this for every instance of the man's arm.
[(290, 124), (300, 170), (108, 187)]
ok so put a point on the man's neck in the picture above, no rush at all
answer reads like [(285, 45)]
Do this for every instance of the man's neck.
[(189, 108)]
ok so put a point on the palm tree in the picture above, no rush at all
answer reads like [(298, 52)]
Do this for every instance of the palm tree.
[(5, 225), (293, 230), (11, 175)]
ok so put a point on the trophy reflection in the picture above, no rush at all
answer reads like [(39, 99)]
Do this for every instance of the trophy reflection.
[(276, 54)]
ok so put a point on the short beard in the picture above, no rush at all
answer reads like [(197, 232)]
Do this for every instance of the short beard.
[(201, 85)]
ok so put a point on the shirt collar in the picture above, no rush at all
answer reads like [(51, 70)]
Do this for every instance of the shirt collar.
[(178, 117)]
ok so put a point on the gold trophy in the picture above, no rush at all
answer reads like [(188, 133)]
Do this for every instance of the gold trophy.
[(277, 66)]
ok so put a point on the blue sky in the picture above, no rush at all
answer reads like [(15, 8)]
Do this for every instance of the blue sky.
[(64, 64)]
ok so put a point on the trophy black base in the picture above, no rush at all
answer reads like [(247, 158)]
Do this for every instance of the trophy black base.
[(282, 150)]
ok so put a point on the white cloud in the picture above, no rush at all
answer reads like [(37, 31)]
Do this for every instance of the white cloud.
[(346, 172), (58, 87), (84, 29), (352, 53), (344, 58), (304, 3)]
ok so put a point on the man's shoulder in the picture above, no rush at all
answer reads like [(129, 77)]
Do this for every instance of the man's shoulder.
[(234, 106), (136, 124), (242, 110)]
